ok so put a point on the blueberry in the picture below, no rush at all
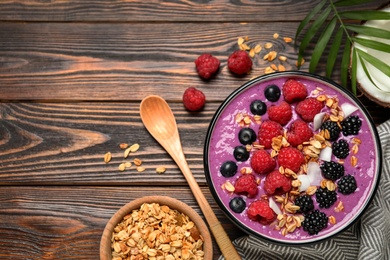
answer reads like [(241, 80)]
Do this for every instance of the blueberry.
[(241, 154), (237, 204), (247, 136), (258, 107), (228, 169), (272, 93)]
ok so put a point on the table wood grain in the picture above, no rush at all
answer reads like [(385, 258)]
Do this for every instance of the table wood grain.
[(72, 75)]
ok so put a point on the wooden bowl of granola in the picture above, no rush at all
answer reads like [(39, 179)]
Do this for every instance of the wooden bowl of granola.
[(156, 226), (292, 158)]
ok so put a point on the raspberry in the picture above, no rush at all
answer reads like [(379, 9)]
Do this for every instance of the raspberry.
[(291, 158), (325, 197), (294, 91), (268, 130), (275, 181), (314, 222), (308, 108), (246, 184), (305, 203), (347, 184), (351, 125), (239, 62), (332, 170), (207, 65), (299, 132), (281, 113), (333, 129), (262, 162), (260, 211), (193, 99)]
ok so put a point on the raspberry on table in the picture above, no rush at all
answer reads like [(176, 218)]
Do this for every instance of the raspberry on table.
[(308, 108), (291, 158), (260, 211), (268, 130), (262, 162), (239, 62), (207, 65), (294, 91), (299, 132), (314, 222), (351, 125), (325, 198), (305, 203), (332, 170), (246, 184), (193, 99), (276, 182), (333, 129), (281, 113), (347, 184), (340, 149)]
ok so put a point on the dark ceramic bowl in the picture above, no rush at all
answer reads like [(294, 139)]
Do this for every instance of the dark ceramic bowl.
[(363, 162)]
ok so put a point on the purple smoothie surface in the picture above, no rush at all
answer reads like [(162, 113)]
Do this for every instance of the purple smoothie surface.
[(224, 138)]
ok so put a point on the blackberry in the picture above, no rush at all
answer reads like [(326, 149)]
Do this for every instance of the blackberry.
[(272, 93), (351, 125), (340, 149), (305, 203), (332, 170), (247, 135), (333, 128), (228, 169), (347, 184), (325, 197), (314, 222)]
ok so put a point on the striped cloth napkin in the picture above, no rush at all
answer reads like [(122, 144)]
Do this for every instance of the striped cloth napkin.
[(369, 238)]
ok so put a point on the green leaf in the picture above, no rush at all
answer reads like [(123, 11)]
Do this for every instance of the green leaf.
[(312, 31), (308, 17), (366, 15), (334, 50), (383, 67), (369, 31), (353, 71), (351, 2), (321, 44), (345, 63), (366, 71), (380, 46)]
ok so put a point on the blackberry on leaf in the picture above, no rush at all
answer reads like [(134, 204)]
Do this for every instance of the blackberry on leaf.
[(351, 125), (347, 184), (340, 149), (333, 129), (332, 170), (325, 197), (305, 203), (314, 222)]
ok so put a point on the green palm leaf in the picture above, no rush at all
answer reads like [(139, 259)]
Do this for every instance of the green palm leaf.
[(369, 31), (351, 2), (334, 50), (365, 15), (385, 68), (380, 46), (353, 71), (345, 63)]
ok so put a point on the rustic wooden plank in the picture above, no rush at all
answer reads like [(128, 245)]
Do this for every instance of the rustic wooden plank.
[(64, 143), (67, 222), (140, 11)]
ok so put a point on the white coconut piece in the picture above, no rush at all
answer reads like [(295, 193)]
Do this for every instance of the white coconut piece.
[(274, 206), (317, 121), (305, 182), (348, 109), (314, 173), (326, 154)]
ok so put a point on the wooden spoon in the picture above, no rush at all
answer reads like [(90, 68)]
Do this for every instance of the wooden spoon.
[(159, 120)]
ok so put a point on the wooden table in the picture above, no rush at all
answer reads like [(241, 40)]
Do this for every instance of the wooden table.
[(72, 75)]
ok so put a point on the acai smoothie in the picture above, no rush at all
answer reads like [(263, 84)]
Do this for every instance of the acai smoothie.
[(275, 194)]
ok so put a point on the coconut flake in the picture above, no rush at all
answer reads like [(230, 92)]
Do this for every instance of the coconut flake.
[(305, 182), (314, 173), (326, 154), (317, 121), (348, 109), (274, 206)]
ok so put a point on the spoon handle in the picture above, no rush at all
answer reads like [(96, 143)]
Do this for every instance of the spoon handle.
[(227, 248)]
